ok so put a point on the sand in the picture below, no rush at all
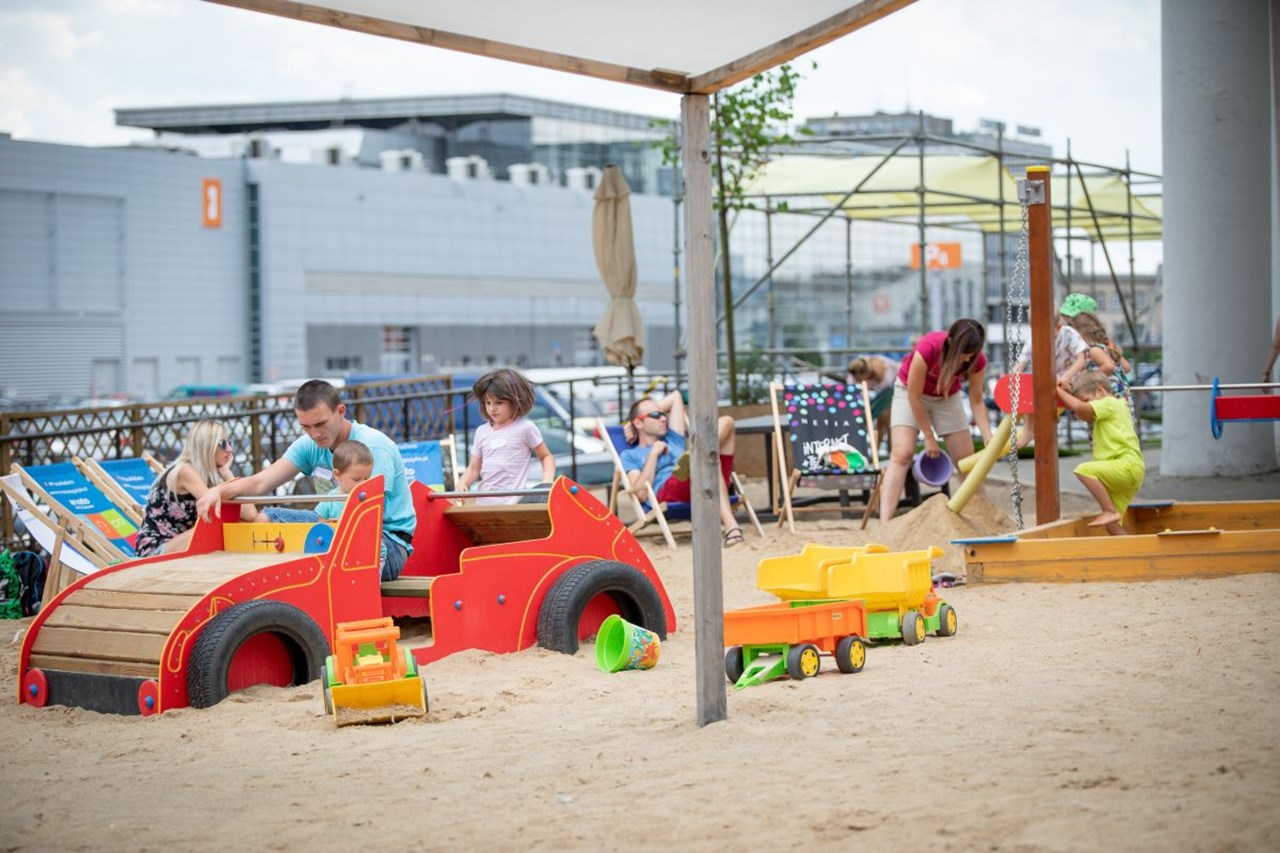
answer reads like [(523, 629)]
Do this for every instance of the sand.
[(1061, 717)]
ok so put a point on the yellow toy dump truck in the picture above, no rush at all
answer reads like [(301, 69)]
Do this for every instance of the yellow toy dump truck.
[(369, 678), (895, 586)]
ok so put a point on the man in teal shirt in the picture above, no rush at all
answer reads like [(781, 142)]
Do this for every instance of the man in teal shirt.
[(322, 416)]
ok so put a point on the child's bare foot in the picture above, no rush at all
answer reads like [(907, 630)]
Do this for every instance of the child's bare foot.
[(1115, 529), (1105, 519)]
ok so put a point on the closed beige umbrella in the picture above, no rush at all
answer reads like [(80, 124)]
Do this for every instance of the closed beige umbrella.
[(620, 331)]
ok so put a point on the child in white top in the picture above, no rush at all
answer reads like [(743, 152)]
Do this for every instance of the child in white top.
[(502, 445), (1069, 353)]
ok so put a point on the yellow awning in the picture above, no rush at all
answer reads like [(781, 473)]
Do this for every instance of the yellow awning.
[(959, 191)]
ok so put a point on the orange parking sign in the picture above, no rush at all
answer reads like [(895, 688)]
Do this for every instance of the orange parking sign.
[(940, 256), (211, 202)]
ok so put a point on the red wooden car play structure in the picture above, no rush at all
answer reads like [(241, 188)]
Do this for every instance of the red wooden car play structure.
[(259, 603)]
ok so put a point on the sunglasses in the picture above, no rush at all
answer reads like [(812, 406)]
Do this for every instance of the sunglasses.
[(225, 444), (656, 415)]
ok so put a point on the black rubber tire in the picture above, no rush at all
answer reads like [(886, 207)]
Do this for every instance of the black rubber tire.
[(222, 637), (733, 664), (637, 600), (912, 628), (947, 621), (803, 661), (851, 654)]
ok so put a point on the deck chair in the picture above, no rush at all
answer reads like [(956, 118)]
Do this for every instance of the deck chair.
[(70, 518), (832, 443), (424, 462), (126, 481), (646, 511)]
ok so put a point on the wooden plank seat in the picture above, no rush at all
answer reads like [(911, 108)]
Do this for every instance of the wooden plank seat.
[(488, 524), (408, 587)]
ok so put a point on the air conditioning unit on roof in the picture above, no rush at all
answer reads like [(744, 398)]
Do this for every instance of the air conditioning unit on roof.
[(402, 160), (473, 168), (529, 174), (583, 177)]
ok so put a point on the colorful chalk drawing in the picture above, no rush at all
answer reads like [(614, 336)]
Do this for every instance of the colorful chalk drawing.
[(828, 428)]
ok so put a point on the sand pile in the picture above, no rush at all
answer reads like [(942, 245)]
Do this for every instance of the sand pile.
[(933, 523)]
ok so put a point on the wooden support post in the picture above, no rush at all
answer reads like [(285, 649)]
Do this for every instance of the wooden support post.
[(708, 590), (1040, 273)]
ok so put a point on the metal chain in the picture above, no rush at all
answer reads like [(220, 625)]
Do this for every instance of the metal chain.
[(1016, 345)]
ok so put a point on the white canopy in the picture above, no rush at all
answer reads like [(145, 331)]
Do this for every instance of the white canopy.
[(674, 45)]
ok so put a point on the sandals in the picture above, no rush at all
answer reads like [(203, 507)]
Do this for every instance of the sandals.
[(733, 536)]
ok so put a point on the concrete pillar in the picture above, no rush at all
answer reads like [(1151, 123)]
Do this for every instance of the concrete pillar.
[(1218, 174)]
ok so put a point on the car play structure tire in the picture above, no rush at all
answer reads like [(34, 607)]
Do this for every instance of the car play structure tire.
[(632, 595), (251, 640)]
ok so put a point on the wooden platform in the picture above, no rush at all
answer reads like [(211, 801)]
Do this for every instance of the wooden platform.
[(487, 524), (1170, 540), (117, 624)]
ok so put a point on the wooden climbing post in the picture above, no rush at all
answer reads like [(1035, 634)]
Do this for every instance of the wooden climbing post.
[(1040, 275)]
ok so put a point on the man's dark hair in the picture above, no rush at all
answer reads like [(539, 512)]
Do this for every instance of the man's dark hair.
[(314, 392)]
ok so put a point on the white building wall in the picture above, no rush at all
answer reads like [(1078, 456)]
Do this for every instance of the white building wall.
[(105, 259)]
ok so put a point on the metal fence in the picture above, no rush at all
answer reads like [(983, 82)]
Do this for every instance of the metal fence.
[(260, 428)]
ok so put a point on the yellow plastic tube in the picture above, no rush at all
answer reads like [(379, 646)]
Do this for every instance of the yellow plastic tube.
[(986, 458), (965, 465)]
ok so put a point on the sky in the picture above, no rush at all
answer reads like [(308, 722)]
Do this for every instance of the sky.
[(1084, 70)]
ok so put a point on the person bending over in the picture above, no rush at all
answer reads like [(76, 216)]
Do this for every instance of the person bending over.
[(926, 398)]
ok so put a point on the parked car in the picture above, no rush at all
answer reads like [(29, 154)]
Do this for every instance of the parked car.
[(595, 465)]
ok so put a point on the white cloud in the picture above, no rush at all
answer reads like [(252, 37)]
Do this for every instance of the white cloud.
[(1087, 69)]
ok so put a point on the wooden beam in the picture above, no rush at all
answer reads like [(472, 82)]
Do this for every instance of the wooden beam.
[(828, 30), (667, 81), (1126, 558), (1040, 273), (708, 589)]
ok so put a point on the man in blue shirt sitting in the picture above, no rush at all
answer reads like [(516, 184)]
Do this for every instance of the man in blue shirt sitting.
[(322, 416)]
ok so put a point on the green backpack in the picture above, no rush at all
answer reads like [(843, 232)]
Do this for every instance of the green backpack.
[(10, 588)]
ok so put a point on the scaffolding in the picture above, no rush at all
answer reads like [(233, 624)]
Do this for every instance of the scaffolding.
[(941, 185)]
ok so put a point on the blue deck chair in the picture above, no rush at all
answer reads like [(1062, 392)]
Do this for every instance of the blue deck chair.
[(424, 462), (645, 510), (126, 481), (88, 518)]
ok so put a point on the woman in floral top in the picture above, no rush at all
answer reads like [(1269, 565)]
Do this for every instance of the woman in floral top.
[(170, 515)]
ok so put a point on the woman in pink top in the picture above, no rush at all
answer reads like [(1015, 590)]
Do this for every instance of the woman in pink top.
[(925, 397), (500, 459)]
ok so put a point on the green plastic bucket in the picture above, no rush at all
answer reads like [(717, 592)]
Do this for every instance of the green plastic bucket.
[(621, 645)]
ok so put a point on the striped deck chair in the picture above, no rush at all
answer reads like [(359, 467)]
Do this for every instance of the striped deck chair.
[(646, 511), (126, 481)]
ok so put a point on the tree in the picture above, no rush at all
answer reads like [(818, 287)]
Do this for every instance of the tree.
[(747, 122)]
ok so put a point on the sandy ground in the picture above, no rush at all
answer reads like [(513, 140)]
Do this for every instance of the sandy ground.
[(1061, 717)]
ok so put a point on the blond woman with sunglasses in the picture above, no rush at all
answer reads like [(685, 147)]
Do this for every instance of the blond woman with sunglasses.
[(170, 514)]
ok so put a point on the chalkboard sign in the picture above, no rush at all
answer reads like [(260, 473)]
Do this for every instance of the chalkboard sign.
[(829, 428)]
